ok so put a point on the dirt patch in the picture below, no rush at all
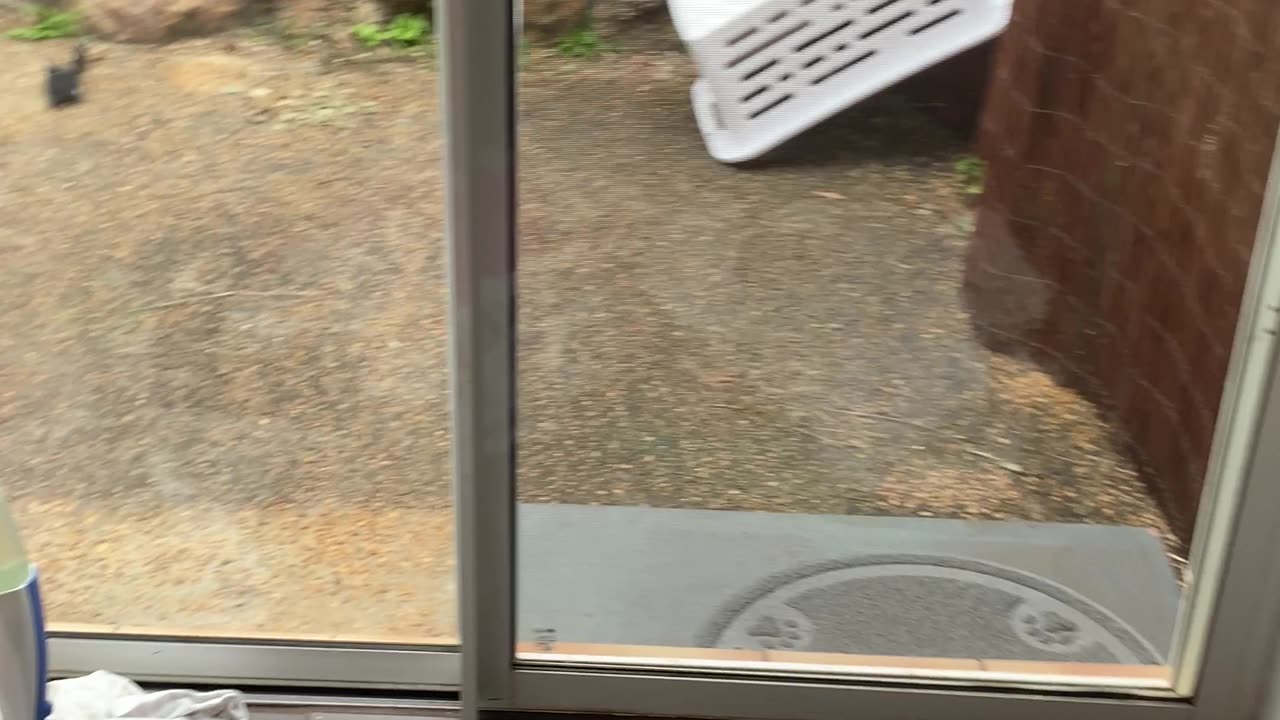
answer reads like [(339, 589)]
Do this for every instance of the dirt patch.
[(209, 74)]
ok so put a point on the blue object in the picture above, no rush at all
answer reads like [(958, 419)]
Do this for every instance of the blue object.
[(42, 706), (24, 660)]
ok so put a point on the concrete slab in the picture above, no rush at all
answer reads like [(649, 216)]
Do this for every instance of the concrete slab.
[(873, 585)]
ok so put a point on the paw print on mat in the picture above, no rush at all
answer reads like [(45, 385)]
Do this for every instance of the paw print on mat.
[(771, 633), (1048, 628)]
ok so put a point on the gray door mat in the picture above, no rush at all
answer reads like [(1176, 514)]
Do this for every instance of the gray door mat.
[(864, 585)]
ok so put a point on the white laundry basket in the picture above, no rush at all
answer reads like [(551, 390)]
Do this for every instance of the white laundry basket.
[(770, 69)]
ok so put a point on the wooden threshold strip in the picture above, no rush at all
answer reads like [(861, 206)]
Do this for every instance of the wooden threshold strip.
[(1145, 675)]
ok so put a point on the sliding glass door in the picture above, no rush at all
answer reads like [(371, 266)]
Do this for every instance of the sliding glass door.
[(768, 359), (908, 356)]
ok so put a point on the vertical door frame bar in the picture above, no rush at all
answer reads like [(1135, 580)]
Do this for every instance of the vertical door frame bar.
[(1230, 622), (478, 96)]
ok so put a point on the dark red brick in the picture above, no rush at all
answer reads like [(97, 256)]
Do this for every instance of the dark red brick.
[(1152, 124)]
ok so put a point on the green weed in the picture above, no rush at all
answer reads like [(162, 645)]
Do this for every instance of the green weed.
[(369, 34), (972, 172), (47, 24), (404, 31), (582, 43)]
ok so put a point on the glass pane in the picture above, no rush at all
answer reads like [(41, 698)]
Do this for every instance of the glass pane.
[(878, 336), (223, 344)]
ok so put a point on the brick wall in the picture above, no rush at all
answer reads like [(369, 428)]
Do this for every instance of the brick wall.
[(1128, 144)]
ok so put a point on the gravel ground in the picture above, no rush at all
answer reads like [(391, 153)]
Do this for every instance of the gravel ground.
[(223, 391)]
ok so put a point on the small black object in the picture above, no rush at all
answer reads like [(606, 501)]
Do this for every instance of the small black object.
[(64, 80)]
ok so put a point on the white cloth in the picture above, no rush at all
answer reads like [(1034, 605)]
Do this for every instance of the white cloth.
[(107, 696)]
